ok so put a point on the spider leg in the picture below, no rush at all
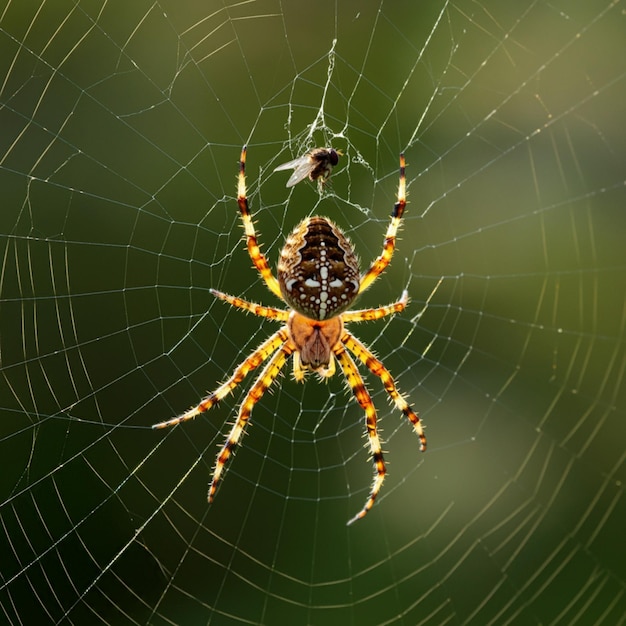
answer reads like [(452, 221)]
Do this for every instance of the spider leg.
[(379, 264), (251, 307), (355, 381), (368, 315), (298, 371), (268, 347), (258, 258), (377, 368), (260, 386)]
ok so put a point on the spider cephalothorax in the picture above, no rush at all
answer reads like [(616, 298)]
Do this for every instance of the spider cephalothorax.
[(318, 278)]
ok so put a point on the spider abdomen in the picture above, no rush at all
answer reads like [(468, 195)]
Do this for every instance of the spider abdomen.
[(318, 271)]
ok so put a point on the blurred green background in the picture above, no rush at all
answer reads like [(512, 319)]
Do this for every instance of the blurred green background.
[(121, 126)]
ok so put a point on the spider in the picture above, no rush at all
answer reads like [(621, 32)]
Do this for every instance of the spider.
[(318, 277)]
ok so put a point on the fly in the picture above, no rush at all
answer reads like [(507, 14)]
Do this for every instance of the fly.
[(316, 165)]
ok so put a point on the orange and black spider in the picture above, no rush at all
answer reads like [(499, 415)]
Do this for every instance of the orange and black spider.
[(318, 277), (317, 165)]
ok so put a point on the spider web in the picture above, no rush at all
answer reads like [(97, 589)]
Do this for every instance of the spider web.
[(121, 129)]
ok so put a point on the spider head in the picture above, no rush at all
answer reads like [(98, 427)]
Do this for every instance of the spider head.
[(318, 271)]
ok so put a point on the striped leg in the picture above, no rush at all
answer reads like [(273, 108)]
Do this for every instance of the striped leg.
[(363, 398), (264, 380), (379, 265), (258, 258), (258, 309), (378, 369), (369, 315), (254, 360)]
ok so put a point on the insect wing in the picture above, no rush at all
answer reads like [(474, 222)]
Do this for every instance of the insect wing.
[(302, 168), (290, 165)]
